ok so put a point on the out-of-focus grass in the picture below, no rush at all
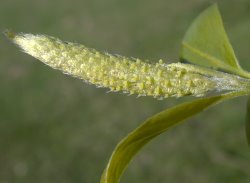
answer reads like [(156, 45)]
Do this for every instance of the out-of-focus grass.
[(54, 128)]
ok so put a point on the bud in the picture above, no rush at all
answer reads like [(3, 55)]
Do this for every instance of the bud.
[(124, 74)]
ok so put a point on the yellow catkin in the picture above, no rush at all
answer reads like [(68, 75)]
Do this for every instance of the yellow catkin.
[(122, 74)]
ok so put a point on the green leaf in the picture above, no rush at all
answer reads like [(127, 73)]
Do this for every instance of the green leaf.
[(248, 121), (206, 43), (151, 128)]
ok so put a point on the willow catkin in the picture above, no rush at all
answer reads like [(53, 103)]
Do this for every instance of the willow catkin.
[(124, 74)]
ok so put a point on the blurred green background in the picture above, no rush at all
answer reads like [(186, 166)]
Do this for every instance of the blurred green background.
[(54, 128)]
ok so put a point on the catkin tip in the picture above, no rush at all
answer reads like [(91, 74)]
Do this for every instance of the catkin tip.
[(9, 34)]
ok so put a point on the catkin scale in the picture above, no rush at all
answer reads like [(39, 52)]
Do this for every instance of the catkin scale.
[(120, 73)]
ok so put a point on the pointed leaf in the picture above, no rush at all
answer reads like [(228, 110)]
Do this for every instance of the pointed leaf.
[(151, 128), (206, 43), (248, 122)]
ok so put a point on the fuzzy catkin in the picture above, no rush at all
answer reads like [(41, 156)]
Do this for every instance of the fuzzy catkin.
[(116, 72)]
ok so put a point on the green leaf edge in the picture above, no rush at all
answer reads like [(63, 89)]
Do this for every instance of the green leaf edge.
[(212, 61), (128, 147)]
